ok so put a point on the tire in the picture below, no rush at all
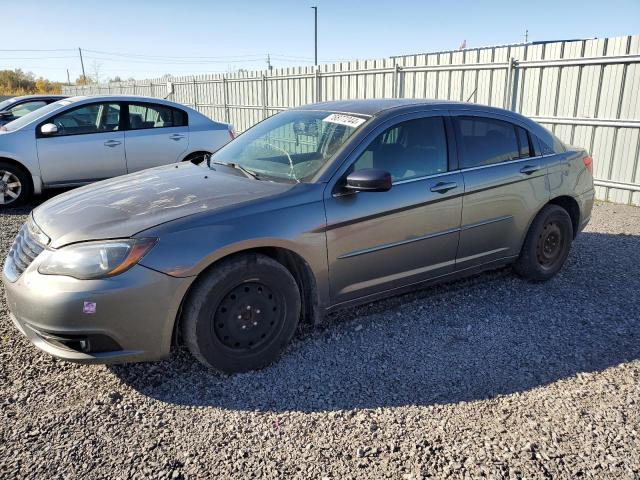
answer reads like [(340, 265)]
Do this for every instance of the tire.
[(241, 314), (196, 157), (546, 246), (15, 185)]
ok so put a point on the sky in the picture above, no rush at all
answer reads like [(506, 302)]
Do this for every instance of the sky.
[(147, 39)]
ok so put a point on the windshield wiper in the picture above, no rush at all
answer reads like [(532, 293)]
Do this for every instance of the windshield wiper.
[(247, 172)]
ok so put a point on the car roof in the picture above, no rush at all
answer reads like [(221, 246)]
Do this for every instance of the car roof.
[(378, 106), (375, 105), (37, 96), (122, 98)]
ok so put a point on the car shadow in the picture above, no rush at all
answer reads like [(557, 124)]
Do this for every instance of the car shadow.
[(493, 334), (34, 202)]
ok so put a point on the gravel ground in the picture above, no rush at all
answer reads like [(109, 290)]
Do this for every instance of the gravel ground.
[(490, 376)]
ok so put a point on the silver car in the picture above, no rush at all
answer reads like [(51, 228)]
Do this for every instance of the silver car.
[(311, 210), (16, 107), (80, 140)]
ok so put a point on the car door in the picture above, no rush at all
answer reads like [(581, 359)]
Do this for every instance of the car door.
[(505, 185), (156, 135), (379, 241), (87, 146)]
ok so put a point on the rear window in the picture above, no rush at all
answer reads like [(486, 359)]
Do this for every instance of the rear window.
[(485, 141)]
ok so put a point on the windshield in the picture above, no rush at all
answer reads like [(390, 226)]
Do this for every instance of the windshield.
[(290, 146), (5, 103), (30, 117)]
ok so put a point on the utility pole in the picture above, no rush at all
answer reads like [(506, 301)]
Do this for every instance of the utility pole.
[(526, 36), (84, 77), (269, 67), (315, 18), (68, 78)]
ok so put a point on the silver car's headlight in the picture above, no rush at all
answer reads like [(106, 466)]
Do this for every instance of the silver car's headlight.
[(91, 260)]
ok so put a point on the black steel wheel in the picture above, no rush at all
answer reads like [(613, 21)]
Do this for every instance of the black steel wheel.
[(547, 244), (248, 316), (241, 314)]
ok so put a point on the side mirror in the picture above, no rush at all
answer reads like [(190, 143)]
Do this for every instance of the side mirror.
[(369, 180), (6, 113), (49, 129)]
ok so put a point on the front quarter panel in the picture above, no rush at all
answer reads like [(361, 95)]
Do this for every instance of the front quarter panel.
[(20, 145), (296, 222)]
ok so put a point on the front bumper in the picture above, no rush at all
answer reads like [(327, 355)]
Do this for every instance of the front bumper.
[(133, 321)]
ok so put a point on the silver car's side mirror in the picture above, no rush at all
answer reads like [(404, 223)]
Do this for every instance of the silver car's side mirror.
[(49, 129)]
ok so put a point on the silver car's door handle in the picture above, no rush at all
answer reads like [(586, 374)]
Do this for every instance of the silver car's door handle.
[(529, 169), (112, 143), (444, 187), (176, 136)]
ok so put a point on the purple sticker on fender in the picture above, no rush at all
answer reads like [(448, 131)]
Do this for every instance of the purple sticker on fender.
[(89, 308)]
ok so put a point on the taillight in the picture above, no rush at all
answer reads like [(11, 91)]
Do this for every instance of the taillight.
[(588, 163), (232, 132)]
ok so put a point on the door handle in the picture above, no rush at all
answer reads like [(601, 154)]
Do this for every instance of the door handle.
[(112, 143), (529, 169), (176, 136), (444, 187)]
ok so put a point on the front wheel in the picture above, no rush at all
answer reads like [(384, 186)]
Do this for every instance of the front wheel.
[(547, 244), (241, 314), (15, 187)]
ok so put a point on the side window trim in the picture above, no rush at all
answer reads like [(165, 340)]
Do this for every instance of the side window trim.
[(50, 118), (509, 162)]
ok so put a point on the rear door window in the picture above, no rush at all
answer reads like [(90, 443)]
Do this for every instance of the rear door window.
[(143, 116), (486, 141), (524, 143)]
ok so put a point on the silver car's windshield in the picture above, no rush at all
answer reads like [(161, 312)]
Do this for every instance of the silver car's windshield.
[(5, 103), (291, 146), (30, 117)]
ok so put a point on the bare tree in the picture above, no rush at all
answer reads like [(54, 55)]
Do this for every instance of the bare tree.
[(96, 69)]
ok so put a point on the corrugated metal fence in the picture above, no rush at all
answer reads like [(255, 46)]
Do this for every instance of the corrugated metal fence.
[(586, 91)]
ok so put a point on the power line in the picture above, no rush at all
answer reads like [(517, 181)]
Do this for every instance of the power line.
[(38, 50)]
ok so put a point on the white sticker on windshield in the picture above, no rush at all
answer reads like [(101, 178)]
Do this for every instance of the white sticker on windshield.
[(342, 119)]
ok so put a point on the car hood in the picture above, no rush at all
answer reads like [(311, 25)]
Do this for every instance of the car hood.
[(124, 206)]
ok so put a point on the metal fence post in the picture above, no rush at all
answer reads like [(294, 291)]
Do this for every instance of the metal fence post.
[(508, 93), (225, 98), (396, 80), (316, 76), (264, 96), (195, 93)]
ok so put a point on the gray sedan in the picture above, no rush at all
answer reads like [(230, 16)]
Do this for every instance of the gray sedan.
[(311, 210)]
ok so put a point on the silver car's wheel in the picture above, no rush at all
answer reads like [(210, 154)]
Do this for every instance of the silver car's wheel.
[(10, 187), (15, 185)]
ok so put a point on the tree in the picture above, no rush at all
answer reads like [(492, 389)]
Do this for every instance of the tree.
[(96, 69), (83, 80), (17, 82)]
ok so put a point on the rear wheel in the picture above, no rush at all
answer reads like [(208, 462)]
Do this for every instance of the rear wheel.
[(15, 185), (241, 314), (547, 244)]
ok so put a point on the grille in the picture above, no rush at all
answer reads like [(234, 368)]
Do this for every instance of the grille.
[(26, 247)]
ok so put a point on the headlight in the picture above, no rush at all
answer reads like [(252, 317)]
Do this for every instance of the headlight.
[(92, 260)]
